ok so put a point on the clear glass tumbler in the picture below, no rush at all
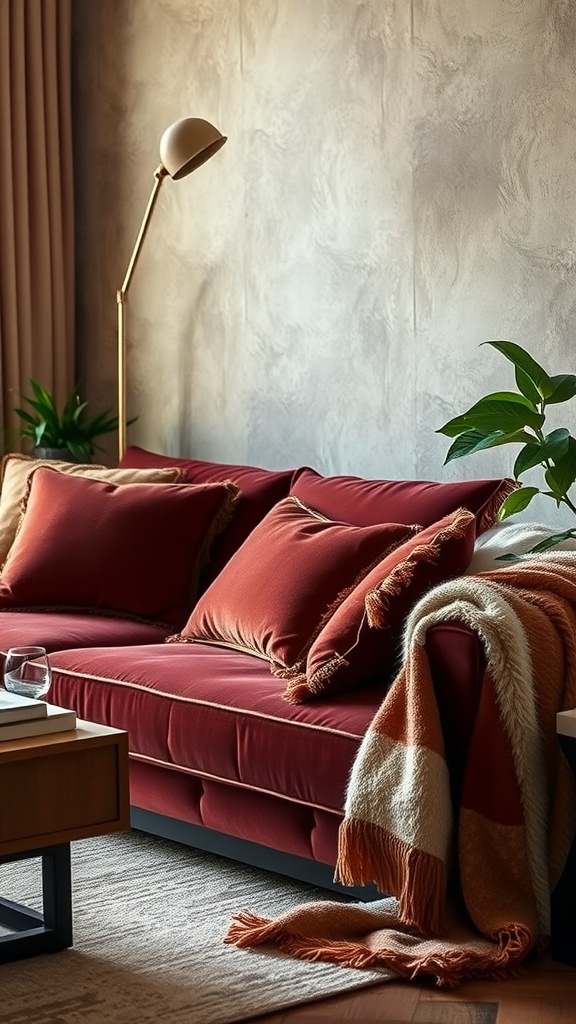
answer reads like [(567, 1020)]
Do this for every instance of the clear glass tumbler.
[(27, 671)]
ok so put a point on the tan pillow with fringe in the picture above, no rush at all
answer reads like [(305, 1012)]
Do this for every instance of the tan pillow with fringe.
[(349, 651), (15, 471)]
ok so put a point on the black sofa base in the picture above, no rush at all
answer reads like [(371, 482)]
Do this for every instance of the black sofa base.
[(299, 868)]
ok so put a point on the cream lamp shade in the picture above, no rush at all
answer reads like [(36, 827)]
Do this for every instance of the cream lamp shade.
[(184, 146), (188, 144)]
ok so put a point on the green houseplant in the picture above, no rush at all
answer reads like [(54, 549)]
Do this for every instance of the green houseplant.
[(519, 417), (69, 430)]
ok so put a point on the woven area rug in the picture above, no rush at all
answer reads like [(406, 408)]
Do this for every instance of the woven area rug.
[(149, 918)]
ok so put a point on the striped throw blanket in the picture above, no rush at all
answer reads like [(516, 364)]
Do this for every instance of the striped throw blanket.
[(470, 886)]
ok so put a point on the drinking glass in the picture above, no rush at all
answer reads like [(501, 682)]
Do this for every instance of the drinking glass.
[(27, 671)]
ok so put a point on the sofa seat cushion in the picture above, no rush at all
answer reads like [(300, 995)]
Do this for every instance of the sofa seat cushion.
[(366, 502), (260, 489), (62, 630), (218, 715)]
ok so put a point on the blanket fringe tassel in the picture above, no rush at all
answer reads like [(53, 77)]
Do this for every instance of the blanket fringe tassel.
[(450, 967), (417, 879)]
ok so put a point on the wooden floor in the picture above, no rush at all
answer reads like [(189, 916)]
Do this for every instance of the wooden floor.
[(546, 995)]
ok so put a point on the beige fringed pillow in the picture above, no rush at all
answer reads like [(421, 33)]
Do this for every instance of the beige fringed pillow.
[(15, 471)]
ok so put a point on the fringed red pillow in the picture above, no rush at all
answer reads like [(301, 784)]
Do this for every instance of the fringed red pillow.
[(271, 596), (134, 549), (348, 652)]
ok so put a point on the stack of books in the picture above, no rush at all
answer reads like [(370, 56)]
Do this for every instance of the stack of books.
[(24, 716)]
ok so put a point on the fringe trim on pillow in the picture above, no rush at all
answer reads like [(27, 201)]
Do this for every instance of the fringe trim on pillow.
[(288, 671), (180, 638), (378, 600), (490, 512), (412, 531), (217, 526), (300, 685)]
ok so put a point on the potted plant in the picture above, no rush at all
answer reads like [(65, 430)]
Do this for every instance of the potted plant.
[(518, 417), (67, 434)]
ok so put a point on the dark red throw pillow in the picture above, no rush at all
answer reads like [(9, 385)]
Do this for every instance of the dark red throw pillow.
[(134, 549), (271, 597), (260, 489), (348, 652), (364, 502)]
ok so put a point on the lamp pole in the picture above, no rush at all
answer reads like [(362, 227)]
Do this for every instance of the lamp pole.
[(159, 174), (184, 146)]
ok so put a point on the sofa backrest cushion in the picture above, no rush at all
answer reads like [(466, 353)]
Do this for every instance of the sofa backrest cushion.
[(363, 502), (294, 568), (260, 489), (15, 471), (350, 651), (135, 549)]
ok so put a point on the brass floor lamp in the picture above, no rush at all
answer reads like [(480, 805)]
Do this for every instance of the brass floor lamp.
[(184, 146)]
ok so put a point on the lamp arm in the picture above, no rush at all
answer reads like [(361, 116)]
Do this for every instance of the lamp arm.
[(159, 174)]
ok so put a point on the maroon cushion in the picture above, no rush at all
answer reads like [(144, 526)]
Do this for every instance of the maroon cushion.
[(348, 652), (218, 714), (292, 571), (57, 631), (260, 489), (365, 502), (132, 548)]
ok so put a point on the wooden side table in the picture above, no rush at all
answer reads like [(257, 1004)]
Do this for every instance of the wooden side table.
[(55, 789), (563, 939)]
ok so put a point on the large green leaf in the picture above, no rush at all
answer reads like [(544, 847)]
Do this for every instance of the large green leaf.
[(463, 422), (499, 414), (471, 441), (564, 388), (527, 387), (536, 453), (522, 359), (517, 501), (527, 458), (562, 474)]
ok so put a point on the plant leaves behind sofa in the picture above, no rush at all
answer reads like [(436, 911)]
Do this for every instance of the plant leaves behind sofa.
[(219, 756)]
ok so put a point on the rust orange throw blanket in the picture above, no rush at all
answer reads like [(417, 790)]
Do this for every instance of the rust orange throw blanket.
[(506, 842)]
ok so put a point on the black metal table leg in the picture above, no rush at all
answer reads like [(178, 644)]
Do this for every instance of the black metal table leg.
[(563, 937), (35, 933)]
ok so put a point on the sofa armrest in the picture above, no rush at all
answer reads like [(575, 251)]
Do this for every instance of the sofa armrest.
[(457, 663)]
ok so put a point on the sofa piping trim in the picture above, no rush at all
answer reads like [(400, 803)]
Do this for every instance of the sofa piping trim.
[(207, 703), (145, 759)]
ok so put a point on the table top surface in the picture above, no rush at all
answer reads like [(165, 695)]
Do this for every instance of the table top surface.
[(566, 722), (85, 732)]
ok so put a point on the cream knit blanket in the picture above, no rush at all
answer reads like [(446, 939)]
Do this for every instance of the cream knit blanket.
[(505, 844)]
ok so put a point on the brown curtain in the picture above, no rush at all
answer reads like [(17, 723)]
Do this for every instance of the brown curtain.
[(36, 204)]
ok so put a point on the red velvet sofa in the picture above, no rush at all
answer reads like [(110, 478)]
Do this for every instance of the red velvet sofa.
[(232, 749)]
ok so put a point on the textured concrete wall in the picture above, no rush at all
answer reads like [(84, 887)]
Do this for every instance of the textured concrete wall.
[(397, 187)]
